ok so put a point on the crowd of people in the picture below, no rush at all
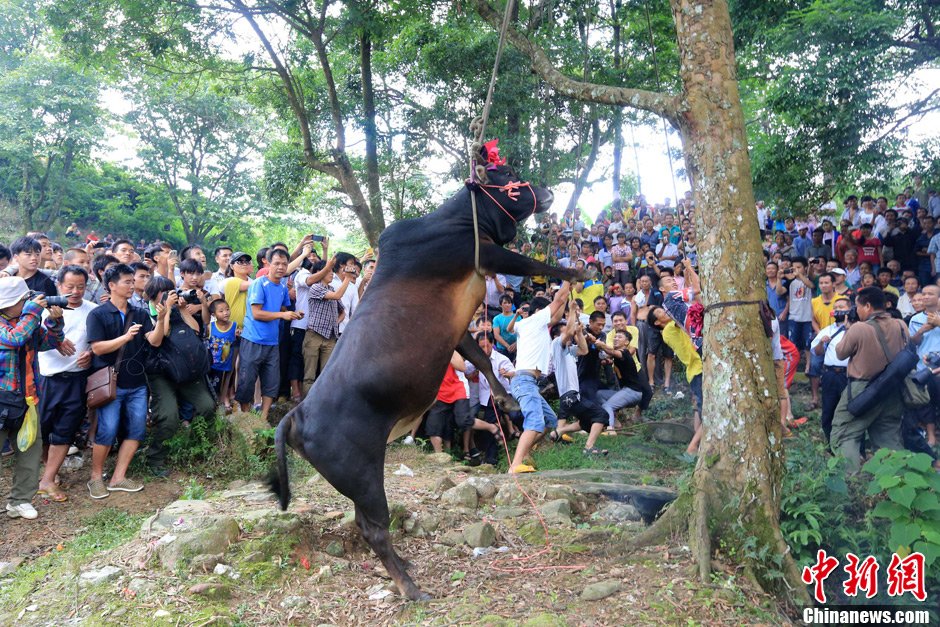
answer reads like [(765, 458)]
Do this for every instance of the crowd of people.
[(110, 344)]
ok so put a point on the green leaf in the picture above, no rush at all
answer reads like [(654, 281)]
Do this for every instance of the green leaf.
[(930, 550), (890, 510), (888, 481), (836, 483), (903, 535), (457, 575), (926, 502), (921, 462), (931, 535), (914, 480), (903, 495)]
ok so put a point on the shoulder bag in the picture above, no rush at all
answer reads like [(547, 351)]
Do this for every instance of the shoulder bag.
[(101, 388), (879, 387)]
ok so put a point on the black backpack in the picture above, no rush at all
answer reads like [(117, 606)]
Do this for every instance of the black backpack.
[(183, 356)]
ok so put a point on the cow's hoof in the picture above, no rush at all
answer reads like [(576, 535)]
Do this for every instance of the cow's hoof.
[(507, 403), (421, 597)]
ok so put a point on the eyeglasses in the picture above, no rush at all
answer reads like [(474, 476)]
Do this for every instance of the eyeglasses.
[(243, 262)]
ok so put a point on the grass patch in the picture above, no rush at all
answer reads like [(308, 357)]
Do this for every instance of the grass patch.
[(105, 530)]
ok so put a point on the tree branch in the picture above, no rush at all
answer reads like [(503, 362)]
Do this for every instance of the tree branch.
[(661, 104)]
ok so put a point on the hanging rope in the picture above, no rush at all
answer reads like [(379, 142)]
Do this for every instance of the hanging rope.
[(477, 130)]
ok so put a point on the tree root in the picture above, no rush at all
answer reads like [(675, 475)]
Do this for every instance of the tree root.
[(701, 537), (673, 521)]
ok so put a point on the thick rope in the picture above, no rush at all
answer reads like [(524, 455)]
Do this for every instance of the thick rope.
[(477, 130)]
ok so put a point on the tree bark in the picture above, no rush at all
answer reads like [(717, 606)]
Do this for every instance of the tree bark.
[(580, 181), (736, 484)]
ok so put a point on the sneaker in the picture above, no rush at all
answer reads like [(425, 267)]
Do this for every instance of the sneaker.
[(256, 408), (7, 448), (408, 441), (667, 390), (127, 485), (522, 468), (97, 490), (23, 510)]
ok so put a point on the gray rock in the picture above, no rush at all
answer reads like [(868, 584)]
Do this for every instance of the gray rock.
[(479, 534), (577, 501), (485, 488), (443, 485), (102, 575), (428, 522), (293, 601), (179, 517), (204, 563), (210, 540), (463, 495), (600, 590), (335, 549), (269, 520), (8, 567), (509, 494), (211, 590), (440, 459), (452, 538), (141, 586), (556, 512), (509, 512), (617, 512)]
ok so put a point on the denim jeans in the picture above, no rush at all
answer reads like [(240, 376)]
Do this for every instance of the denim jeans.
[(133, 402), (536, 411)]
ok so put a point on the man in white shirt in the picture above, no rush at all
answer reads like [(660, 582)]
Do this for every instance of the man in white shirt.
[(64, 374), (533, 350), (834, 378), (504, 372), (905, 304)]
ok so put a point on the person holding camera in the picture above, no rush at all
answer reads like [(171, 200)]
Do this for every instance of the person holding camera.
[(833, 377), (924, 328), (62, 408), (118, 328), (177, 370), (870, 345), (23, 334)]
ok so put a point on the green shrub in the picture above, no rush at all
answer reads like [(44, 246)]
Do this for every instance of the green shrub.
[(217, 449), (911, 506)]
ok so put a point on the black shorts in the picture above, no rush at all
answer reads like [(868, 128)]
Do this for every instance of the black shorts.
[(257, 361), (586, 411), (61, 407), (443, 416)]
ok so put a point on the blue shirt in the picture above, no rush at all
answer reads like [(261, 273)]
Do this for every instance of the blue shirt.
[(929, 343), (272, 297), (777, 301)]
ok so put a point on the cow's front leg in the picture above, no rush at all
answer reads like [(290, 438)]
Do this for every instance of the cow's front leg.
[(471, 351), (497, 259)]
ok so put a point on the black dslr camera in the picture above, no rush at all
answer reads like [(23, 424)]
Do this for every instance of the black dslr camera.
[(921, 377), (190, 297), (51, 301)]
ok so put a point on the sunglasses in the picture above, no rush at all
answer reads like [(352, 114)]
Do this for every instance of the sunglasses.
[(244, 262)]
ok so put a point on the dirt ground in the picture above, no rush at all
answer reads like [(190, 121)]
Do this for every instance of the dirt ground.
[(327, 575), (59, 522)]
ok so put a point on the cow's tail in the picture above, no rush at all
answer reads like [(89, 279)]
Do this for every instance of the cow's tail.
[(278, 481)]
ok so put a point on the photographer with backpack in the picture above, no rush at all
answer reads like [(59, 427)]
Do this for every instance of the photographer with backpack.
[(871, 346), (176, 371)]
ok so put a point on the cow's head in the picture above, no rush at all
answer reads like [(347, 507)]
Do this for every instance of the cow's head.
[(502, 199)]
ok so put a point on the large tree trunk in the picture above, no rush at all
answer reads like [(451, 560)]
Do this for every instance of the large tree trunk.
[(736, 485)]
